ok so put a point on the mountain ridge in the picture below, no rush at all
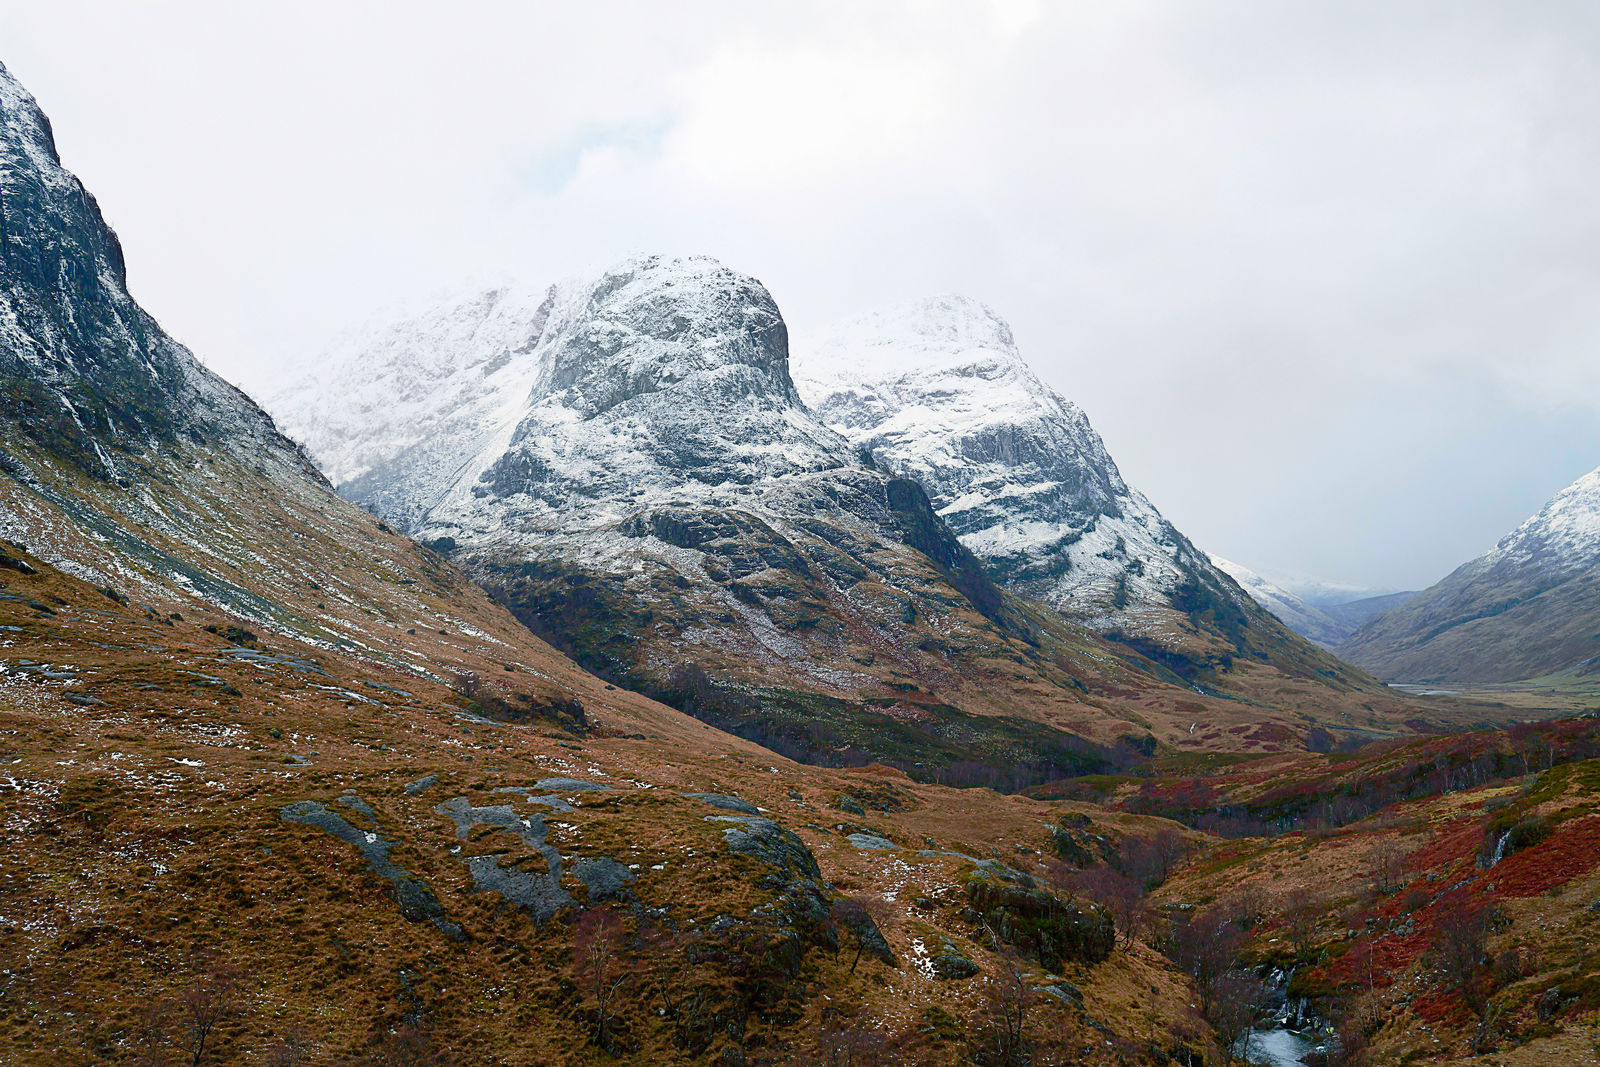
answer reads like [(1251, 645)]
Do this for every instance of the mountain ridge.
[(1526, 608)]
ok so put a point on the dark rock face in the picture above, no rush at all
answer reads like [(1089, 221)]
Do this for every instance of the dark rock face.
[(951, 964), (85, 372), (766, 841), (1039, 923)]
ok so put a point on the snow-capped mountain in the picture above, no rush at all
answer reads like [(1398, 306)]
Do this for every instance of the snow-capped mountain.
[(1528, 607), (1338, 611), (937, 391), (626, 462), (1307, 620)]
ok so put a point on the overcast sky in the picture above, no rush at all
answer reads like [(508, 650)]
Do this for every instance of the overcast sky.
[(1323, 275)]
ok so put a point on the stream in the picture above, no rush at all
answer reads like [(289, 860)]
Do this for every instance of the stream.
[(1291, 1031), (1278, 1048)]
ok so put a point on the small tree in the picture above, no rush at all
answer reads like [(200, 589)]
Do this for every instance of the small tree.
[(851, 1046), (1206, 948), (1236, 999), (1168, 848), (1122, 896), (1388, 866), (859, 915), (202, 1005), (999, 1037), (1300, 913), (1460, 943), (152, 1036), (597, 944)]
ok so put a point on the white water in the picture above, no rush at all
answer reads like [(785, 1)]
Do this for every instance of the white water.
[(1277, 1048)]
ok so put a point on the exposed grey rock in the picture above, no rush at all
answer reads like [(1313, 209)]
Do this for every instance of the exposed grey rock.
[(764, 840), (421, 785), (604, 877), (871, 843), (539, 893), (951, 964), (725, 802), (416, 900), (355, 803)]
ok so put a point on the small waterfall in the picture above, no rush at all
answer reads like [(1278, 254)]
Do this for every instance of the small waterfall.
[(1499, 849)]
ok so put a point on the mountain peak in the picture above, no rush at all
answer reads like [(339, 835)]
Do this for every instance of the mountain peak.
[(653, 322), (947, 331), (1565, 531)]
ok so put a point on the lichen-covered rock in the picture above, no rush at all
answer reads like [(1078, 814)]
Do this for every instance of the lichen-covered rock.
[(726, 803), (416, 900), (951, 964), (1040, 924), (764, 840)]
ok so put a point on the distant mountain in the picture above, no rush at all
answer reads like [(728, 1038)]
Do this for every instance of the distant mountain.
[(937, 391), (1355, 614), (1527, 608), (1305, 619), (1327, 624)]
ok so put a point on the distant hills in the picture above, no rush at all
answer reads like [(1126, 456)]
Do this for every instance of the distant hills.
[(1320, 615), (1527, 608)]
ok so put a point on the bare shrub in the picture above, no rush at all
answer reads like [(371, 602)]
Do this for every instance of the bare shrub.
[(598, 939)]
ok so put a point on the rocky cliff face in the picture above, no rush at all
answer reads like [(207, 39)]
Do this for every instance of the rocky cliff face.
[(937, 391), (84, 371), (125, 463), (1528, 607)]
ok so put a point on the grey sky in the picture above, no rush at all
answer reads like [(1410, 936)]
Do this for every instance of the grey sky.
[(1324, 275)]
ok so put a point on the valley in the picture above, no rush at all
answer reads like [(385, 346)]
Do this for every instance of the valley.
[(580, 675)]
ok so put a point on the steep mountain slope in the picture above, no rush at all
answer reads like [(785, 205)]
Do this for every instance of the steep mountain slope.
[(248, 761), (936, 391), (1307, 620), (1527, 608), (660, 504), (127, 464)]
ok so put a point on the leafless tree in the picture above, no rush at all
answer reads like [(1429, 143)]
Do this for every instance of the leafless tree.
[(152, 1036), (1206, 948), (597, 947), (1362, 1017), (858, 914), (1236, 999), (202, 1005), (851, 1046), (999, 1038), (1388, 866), (1246, 905), (1460, 943), (294, 1048), (1300, 912), (1122, 896)]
